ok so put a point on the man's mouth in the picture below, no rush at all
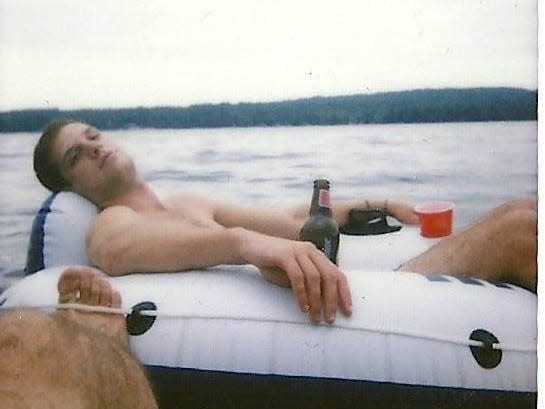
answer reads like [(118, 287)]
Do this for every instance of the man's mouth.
[(105, 158)]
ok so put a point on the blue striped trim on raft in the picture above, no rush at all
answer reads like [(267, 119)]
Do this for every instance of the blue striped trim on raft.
[(35, 253)]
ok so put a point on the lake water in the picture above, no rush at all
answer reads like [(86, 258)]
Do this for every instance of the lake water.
[(476, 165)]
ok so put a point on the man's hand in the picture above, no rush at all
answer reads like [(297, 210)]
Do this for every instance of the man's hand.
[(403, 212), (316, 282)]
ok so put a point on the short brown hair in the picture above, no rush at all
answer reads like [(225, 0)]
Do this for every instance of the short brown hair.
[(48, 172)]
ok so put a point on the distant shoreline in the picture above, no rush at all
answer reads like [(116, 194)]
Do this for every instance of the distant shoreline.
[(416, 106)]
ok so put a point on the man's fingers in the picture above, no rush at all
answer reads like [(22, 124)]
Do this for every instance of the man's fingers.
[(316, 282), (329, 278), (313, 286), (297, 280), (345, 298), (412, 218)]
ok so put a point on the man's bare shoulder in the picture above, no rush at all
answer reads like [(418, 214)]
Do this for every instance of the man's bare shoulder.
[(113, 216), (108, 222)]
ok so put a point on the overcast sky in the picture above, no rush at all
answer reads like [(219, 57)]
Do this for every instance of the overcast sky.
[(104, 53)]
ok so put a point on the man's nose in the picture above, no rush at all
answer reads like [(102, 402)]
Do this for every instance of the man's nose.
[(97, 149)]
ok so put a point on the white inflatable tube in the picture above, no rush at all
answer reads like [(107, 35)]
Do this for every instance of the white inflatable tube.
[(405, 328)]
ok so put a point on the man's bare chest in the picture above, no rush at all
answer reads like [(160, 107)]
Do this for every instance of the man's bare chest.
[(191, 213)]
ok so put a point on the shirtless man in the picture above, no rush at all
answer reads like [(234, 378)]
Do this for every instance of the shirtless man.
[(138, 232), (50, 359)]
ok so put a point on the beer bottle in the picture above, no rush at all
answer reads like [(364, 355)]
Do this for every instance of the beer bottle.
[(320, 228)]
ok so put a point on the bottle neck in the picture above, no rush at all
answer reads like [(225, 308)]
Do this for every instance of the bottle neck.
[(321, 202)]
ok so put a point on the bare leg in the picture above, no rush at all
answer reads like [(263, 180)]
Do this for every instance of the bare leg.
[(500, 247), (71, 359)]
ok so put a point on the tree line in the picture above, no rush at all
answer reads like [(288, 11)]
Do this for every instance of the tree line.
[(416, 106)]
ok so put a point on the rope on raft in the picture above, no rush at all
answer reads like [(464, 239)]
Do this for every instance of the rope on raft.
[(385, 331)]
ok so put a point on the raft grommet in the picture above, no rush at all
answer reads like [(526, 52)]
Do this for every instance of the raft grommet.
[(485, 355), (138, 324)]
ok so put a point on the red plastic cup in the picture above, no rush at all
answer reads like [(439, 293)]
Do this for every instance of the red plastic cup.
[(435, 218)]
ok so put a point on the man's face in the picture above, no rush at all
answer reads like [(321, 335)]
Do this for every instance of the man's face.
[(89, 160)]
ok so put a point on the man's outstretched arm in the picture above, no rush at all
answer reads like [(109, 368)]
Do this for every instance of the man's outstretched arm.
[(400, 210), (122, 241), (288, 222)]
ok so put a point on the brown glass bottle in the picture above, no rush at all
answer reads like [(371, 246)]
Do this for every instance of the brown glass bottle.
[(320, 228)]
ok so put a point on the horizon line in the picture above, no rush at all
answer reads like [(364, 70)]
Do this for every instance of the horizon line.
[(272, 101)]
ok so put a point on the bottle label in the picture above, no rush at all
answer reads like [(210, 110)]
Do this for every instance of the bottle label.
[(323, 199)]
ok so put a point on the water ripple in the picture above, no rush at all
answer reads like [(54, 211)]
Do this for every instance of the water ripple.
[(166, 174), (297, 185), (184, 176), (12, 156), (211, 155), (216, 176)]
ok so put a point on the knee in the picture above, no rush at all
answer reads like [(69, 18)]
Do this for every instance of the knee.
[(519, 221), (518, 228), (528, 204)]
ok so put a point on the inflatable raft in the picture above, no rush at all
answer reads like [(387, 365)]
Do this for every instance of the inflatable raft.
[(223, 337)]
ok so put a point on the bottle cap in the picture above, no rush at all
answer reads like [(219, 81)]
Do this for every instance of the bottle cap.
[(321, 183)]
